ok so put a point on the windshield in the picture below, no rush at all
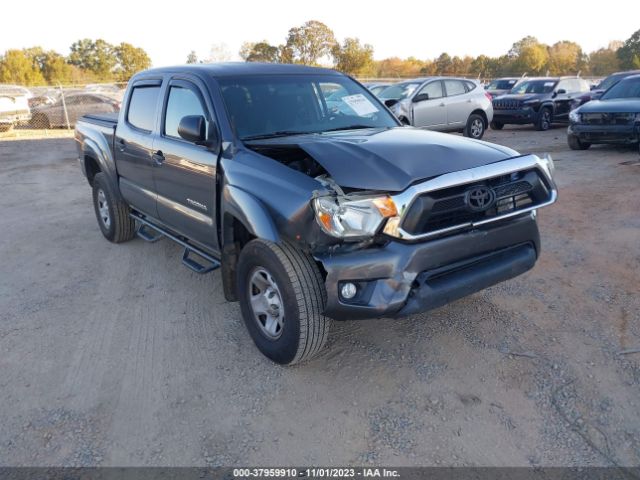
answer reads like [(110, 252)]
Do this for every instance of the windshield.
[(273, 105), (610, 81), (624, 89), (399, 91), (501, 85), (534, 86)]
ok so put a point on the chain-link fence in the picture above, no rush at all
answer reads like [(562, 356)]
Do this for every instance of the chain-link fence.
[(46, 110)]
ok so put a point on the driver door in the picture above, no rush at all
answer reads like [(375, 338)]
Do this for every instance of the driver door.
[(431, 113)]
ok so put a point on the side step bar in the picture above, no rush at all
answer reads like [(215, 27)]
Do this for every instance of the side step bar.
[(152, 233)]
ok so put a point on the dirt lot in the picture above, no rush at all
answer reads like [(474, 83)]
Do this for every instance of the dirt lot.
[(116, 355)]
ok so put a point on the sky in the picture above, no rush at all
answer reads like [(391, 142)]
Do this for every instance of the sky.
[(169, 30)]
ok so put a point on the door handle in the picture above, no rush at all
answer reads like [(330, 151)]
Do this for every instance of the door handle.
[(158, 157), (122, 145)]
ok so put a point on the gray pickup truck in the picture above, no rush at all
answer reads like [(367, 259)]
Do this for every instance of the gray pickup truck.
[(311, 197)]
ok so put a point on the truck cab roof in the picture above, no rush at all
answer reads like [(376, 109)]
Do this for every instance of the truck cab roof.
[(228, 69)]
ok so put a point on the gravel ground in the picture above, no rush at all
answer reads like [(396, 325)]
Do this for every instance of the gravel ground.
[(115, 355)]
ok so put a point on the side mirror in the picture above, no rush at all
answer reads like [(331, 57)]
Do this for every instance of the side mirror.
[(390, 102), (193, 128), (421, 97), (562, 91)]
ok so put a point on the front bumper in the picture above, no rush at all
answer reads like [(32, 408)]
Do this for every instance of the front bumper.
[(405, 278), (605, 133), (521, 116)]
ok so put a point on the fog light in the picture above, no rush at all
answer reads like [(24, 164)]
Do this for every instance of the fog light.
[(348, 290)]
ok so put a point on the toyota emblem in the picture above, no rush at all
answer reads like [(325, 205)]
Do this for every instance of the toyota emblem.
[(479, 199)]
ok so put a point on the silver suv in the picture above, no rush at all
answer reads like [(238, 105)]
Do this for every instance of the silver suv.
[(441, 103)]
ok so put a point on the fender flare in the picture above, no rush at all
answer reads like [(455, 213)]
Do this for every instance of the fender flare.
[(249, 211)]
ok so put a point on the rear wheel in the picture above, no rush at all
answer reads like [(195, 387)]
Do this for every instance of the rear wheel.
[(282, 297), (544, 119), (576, 144), (112, 213), (475, 126), (497, 125)]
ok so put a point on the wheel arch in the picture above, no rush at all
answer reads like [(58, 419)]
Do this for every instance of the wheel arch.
[(243, 218)]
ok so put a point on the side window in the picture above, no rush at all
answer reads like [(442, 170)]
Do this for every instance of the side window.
[(454, 87), (71, 101), (142, 107), (181, 103), (470, 85), (434, 89)]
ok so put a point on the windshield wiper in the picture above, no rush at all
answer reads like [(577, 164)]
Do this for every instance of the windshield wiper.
[(350, 127), (279, 133)]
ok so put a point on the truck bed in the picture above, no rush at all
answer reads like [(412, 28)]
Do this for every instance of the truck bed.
[(105, 119)]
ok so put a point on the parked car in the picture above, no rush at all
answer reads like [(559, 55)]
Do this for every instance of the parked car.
[(441, 103), (596, 92), (377, 88), (539, 101), (76, 105), (311, 215), (14, 106), (500, 86), (615, 118)]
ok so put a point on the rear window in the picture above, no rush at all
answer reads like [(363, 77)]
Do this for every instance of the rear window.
[(142, 107)]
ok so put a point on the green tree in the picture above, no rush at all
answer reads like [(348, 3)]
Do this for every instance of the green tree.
[(55, 69), (260, 52), (603, 62), (353, 58), (565, 58), (96, 56), (130, 60), (192, 57), (517, 47), (532, 59), (310, 42), (629, 53), (482, 66), (18, 67), (444, 64)]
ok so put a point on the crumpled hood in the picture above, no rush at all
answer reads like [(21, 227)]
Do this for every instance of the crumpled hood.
[(617, 105), (392, 159)]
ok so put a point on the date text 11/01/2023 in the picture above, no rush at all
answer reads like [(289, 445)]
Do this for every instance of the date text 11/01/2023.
[(315, 473)]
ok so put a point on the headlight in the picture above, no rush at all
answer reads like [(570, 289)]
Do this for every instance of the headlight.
[(574, 117), (344, 217)]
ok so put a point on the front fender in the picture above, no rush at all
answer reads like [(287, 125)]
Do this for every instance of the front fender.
[(250, 211)]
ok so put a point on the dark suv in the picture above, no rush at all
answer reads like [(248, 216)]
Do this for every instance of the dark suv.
[(540, 101)]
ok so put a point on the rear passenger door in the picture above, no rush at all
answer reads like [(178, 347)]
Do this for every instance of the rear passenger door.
[(458, 104), (134, 143), (185, 173)]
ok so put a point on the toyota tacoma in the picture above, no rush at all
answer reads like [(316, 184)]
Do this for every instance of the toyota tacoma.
[(313, 211)]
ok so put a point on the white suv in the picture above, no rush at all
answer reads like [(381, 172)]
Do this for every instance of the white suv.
[(441, 103)]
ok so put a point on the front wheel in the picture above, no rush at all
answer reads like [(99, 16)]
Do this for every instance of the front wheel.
[(475, 127), (497, 125), (544, 119), (576, 144), (282, 297)]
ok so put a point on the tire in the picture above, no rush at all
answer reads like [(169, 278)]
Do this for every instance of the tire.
[(40, 120), (576, 144), (302, 329), (496, 125), (405, 121), (475, 127), (111, 212), (544, 120)]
